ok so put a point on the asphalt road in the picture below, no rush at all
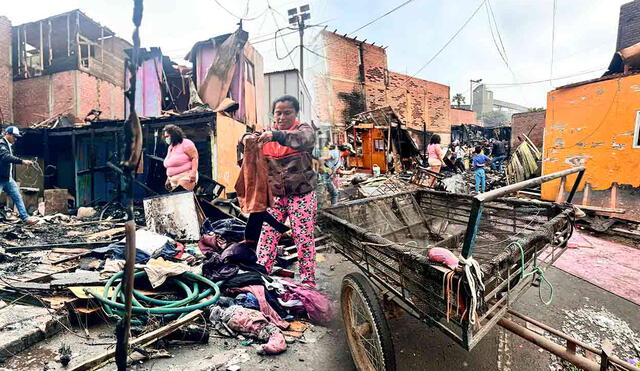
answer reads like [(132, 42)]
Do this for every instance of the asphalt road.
[(419, 347)]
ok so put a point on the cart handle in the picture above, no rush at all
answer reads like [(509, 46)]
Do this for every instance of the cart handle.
[(476, 205)]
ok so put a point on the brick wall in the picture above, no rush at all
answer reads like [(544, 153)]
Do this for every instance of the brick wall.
[(529, 123), (416, 101), (6, 72), (101, 95), (31, 100), (71, 93), (343, 75), (463, 116), (629, 25)]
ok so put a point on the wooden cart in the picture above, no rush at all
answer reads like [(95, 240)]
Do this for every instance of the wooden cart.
[(388, 237)]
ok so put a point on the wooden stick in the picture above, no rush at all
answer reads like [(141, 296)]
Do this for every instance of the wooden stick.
[(143, 341)]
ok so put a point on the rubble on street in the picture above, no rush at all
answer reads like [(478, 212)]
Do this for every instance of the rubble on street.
[(207, 202)]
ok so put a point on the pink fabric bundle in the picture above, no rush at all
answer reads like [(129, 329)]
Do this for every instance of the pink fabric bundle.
[(444, 256), (253, 323), (265, 308), (317, 305)]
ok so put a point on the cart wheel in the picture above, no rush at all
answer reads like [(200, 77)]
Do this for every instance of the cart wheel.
[(365, 324)]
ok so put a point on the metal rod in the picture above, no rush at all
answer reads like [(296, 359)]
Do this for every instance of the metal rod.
[(562, 335), (575, 186), (549, 345), (503, 191), (478, 201)]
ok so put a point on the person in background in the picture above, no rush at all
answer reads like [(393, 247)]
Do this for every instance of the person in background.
[(436, 157), (346, 150), (479, 162), (7, 160), (459, 156), (181, 161), (332, 162), (499, 153), (287, 149)]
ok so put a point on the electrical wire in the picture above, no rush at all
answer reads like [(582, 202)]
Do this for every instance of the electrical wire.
[(503, 54), (553, 37), (242, 18), (501, 49), (493, 16), (372, 21), (546, 80), (443, 46), (380, 17)]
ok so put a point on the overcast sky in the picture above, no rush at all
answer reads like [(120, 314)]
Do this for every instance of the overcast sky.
[(585, 34)]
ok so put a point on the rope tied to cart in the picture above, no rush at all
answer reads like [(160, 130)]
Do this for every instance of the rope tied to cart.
[(473, 275), (534, 270)]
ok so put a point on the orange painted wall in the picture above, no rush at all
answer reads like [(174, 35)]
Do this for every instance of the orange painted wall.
[(593, 125), (228, 133)]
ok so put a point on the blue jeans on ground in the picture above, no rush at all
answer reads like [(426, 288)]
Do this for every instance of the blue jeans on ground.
[(480, 179), (331, 188), (499, 160), (13, 191)]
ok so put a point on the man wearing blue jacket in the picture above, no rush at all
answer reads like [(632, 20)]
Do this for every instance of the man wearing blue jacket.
[(7, 160)]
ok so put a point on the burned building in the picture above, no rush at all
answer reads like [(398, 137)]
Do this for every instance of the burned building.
[(357, 75), (231, 63), (67, 65), (87, 168)]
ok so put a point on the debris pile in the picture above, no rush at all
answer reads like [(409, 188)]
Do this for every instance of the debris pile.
[(73, 267), (595, 326), (524, 162)]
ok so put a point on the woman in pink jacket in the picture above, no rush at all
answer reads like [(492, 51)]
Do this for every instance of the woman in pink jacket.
[(181, 161)]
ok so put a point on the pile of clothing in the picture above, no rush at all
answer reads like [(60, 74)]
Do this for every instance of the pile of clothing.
[(253, 303), (256, 305), (150, 245)]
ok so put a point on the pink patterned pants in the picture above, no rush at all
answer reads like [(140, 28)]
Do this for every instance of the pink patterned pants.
[(301, 211)]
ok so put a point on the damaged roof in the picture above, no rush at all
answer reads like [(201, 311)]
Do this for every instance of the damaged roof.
[(82, 17), (217, 40)]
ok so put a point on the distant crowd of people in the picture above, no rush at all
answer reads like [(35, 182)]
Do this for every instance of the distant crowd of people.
[(491, 152)]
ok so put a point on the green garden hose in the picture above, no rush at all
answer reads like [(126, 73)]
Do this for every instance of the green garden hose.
[(114, 305)]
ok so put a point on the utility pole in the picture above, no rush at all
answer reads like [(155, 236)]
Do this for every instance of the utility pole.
[(297, 17)]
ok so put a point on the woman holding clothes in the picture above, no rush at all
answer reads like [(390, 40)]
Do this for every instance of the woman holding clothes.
[(292, 181)]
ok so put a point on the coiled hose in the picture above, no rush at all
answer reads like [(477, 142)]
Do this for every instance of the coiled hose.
[(168, 309)]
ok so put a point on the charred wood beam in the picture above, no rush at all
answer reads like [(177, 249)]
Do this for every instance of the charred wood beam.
[(74, 245)]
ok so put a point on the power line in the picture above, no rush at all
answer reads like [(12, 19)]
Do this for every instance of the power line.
[(495, 42), (546, 80), (373, 20), (503, 53), (380, 17), (553, 38), (501, 50), (241, 18), (443, 46), (493, 16)]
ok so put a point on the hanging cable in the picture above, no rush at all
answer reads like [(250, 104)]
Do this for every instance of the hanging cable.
[(242, 18), (545, 80), (442, 48), (553, 38)]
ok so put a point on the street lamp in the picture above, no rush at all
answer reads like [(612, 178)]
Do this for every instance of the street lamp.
[(471, 91), (297, 18)]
